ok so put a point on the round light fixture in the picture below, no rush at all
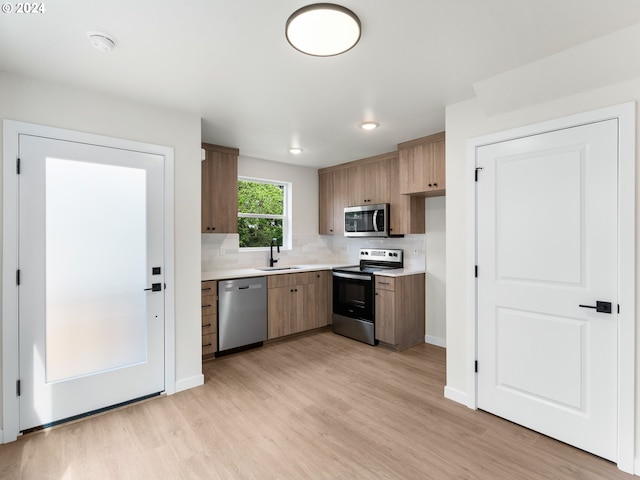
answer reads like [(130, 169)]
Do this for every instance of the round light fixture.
[(295, 150), (101, 41), (369, 125), (323, 29)]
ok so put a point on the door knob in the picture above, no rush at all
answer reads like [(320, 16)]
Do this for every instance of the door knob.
[(601, 307), (155, 287)]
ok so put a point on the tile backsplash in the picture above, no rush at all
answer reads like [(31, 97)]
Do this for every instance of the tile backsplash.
[(221, 251)]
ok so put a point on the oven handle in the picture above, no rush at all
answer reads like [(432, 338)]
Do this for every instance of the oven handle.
[(353, 276)]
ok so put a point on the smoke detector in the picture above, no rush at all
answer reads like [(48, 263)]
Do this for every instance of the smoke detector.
[(101, 41)]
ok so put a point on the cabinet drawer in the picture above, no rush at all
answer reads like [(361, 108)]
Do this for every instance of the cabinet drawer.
[(385, 283), (209, 343), (209, 324), (208, 306), (290, 279), (209, 288)]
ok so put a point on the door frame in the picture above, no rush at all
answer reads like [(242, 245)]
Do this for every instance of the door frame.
[(10, 350), (626, 114)]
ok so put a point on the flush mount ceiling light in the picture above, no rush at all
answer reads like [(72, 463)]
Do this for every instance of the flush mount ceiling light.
[(295, 150), (323, 29), (369, 125), (101, 41)]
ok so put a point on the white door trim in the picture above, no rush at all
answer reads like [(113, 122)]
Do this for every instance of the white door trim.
[(10, 359), (626, 113)]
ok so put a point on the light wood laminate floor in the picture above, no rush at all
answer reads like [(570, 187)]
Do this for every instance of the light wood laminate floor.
[(317, 407)]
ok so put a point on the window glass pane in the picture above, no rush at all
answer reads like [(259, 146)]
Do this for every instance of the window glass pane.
[(261, 198), (258, 232), (95, 268)]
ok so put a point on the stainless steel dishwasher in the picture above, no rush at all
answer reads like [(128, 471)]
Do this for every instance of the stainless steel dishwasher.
[(242, 313)]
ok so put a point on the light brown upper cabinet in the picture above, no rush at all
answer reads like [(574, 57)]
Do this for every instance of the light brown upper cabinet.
[(406, 212), (369, 183), (333, 197), (422, 166), (219, 189)]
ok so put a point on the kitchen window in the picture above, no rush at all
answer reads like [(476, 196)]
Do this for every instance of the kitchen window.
[(264, 213)]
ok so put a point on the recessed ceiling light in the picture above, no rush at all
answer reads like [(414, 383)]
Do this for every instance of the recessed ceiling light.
[(369, 125), (295, 150), (101, 41), (323, 29)]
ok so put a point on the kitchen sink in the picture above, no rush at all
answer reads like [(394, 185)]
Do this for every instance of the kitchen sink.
[(273, 269)]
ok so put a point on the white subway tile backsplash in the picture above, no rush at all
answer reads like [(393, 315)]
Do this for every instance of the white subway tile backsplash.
[(221, 252)]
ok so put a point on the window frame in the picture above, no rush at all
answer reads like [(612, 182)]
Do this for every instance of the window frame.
[(286, 217)]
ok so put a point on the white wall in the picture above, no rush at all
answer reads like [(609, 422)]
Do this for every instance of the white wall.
[(436, 331), (48, 104), (467, 120)]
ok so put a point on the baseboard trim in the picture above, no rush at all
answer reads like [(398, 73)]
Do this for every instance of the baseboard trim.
[(636, 468), (455, 395), (437, 341), (191, 382)]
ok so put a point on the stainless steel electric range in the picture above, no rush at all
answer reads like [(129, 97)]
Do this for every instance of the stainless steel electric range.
[(354, 293)]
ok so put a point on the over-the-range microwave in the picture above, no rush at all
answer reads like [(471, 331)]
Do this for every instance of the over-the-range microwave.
[(367, 220)]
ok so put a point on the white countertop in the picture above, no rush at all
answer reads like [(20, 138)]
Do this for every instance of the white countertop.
[(399, 272), (254, 272)]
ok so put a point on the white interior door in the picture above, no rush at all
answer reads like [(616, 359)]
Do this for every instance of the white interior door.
[(90, 234), (547, 249)]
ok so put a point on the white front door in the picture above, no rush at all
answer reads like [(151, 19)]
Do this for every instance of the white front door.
[(547, 253), (91, 333)]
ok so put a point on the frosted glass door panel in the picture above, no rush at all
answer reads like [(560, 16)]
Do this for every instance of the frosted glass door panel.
[(96, 262)]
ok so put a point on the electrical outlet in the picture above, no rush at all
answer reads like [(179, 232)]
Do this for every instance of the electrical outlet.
[(223, 251), (305, 248)]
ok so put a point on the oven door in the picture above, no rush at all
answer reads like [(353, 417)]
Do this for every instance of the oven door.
[(353, 295)]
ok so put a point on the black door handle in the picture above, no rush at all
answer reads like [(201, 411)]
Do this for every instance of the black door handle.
[(155, 287), (601, 307)]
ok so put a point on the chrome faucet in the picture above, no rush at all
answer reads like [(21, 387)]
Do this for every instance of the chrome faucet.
[(272, 261)]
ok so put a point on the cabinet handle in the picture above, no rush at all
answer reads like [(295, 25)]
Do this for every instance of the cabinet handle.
[(207, 325), (207, 345), (435, 184), (205, 289), (206, 306), (430, 185)]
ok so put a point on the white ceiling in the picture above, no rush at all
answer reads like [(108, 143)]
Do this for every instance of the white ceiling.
[(229, 62)]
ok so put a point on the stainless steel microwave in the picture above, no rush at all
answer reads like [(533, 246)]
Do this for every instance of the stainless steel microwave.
[(367, 221)]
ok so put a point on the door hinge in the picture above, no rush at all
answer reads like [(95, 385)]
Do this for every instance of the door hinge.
[(477, 169), (476, 272), (18, 166), (18, 390), (17, 277), (476, 366)]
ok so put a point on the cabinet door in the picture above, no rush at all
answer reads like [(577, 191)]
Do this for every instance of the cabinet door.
[(325, 200), (377, 181), (369, 183), (357, 185), (438, 167), (406, 213), (281, 311), (385, 327), (340, 199), (220, 191)]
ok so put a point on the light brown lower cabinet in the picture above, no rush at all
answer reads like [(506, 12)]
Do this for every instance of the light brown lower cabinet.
[(209, 318), (297, 302), (400, 310)]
